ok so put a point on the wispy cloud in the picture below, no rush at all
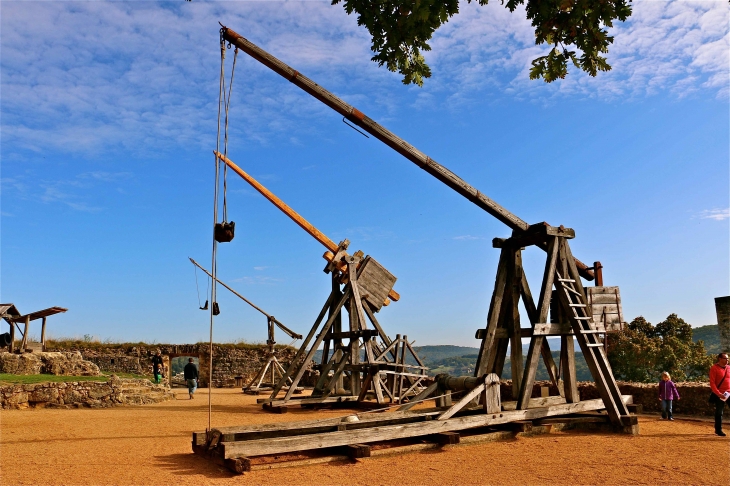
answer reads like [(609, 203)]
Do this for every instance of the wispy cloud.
[(718, 214), (74, 192), (142, 77), (467, 238)]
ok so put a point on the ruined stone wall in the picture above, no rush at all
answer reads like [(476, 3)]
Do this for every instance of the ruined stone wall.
[(51, 363), (229, 360), (94, 394)]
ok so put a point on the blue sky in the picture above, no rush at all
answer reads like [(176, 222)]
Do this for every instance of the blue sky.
[(108, 123)]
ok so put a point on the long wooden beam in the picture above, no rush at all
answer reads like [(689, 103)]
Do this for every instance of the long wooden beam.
[(293, 215), (384, 135), (341, 438), (291, 333)]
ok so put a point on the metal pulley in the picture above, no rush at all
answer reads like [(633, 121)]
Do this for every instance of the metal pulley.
[(224, 232)]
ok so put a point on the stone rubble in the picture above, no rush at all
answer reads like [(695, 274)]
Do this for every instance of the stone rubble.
[(93, 394)]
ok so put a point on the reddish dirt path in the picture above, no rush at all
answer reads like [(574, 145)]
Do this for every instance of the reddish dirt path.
[(151, 445)]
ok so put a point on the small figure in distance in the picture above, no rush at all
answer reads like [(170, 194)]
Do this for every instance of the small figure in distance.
[(720, 386), (667, 393), (191, 376), (157, 366)]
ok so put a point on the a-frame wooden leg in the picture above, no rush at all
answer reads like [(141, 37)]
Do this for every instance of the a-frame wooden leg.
[(487, 352), (514, 281), (537, 342), (296, 362), (302, 365)]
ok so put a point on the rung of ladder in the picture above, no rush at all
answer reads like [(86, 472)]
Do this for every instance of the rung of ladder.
[(577, 305), (596, 345), (577, 318), (566, 280), (592, 331)]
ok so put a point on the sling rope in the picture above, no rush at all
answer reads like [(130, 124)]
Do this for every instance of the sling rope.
[(223, 104)]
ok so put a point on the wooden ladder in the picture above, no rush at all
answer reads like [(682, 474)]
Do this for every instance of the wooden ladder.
[(573, 300)]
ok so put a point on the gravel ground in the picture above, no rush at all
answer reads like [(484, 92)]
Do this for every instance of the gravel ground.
[(151, 445)]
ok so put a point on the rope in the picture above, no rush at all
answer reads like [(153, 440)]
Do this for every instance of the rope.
[(225, 134), (214, 256)]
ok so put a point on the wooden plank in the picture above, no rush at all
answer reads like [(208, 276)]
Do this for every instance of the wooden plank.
[(389, 432), (375, 281), (425, 393), (462, 403), (535, 403), (357, 451)]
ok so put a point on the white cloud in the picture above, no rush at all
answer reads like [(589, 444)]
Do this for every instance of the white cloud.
[(718, 214), (142, 77)]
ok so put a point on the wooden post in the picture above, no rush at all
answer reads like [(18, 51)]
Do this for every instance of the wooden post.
[(24, 343), (12, 337), (492, 397), (43, 334)]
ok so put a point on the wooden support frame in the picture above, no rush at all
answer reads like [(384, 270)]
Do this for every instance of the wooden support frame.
[(571, 316), (383, 372)]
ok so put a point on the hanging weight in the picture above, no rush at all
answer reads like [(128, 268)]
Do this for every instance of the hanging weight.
[(223, 232)]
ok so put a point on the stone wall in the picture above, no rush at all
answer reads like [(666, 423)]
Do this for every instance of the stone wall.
[(51, 363), (94, 394), (229, 360), (693, 395)]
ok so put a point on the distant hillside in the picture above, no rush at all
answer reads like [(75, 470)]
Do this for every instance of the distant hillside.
[(431, 354), (464, 365), (710, 335)]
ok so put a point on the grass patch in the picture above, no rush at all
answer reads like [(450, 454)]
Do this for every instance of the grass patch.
[(9, 379)]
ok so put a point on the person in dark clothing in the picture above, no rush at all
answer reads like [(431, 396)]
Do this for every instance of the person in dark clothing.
[(720, 386), (157, 366), (191, 376)]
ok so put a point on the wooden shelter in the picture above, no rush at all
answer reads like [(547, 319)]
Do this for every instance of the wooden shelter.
[(12, 316)]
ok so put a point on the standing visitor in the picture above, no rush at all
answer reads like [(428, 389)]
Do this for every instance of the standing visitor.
[(157, 366), (191, 376), (720, 386), (667, 393)]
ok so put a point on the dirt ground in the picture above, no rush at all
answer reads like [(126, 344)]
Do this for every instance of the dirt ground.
[(151, 445)]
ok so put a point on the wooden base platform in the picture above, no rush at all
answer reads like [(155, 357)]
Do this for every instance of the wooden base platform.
[(248, 448)]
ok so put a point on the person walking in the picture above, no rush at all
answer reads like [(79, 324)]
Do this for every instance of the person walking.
[(157, 366), (191, 376), (667, 393), (720, 386)]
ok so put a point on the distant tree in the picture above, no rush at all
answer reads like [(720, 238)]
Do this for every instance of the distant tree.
[(401, 29), (642, 351)]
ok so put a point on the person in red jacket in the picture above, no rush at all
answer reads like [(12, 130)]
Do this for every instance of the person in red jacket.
[(720, 386)]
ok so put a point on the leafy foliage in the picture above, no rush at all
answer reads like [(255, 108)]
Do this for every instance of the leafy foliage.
[(642, 351), (401, 29)]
